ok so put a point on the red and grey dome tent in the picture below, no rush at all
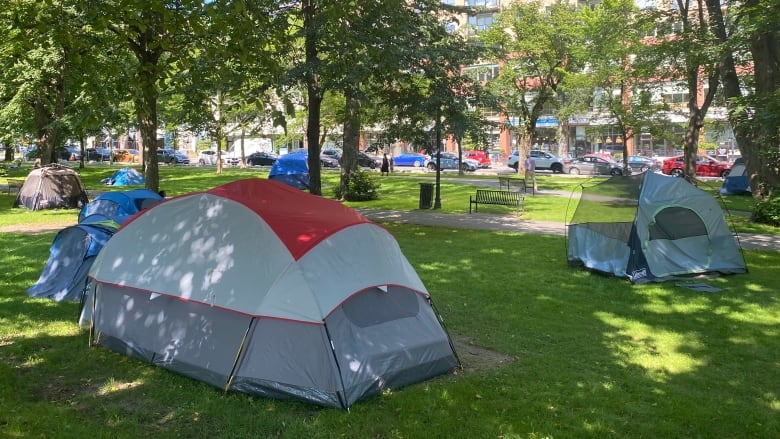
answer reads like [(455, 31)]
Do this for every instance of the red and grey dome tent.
[(258, 287)]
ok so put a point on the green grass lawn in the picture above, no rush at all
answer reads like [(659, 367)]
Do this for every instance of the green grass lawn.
[(591, 356)]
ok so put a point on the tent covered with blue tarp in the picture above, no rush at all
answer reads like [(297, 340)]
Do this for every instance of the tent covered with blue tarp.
[(70, 257), (292, 169), (120, 206), (125, 177), (736, 183)]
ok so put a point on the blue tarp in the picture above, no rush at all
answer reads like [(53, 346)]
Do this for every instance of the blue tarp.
[(292, 169), (125, 177), (70, 257), (737, 182), (119, 206)]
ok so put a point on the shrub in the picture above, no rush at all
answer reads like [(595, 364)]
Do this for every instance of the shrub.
[(363, 186), (767, 212)]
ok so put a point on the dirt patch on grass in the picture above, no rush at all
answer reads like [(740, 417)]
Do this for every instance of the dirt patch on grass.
[(36, 228), (476, 359)]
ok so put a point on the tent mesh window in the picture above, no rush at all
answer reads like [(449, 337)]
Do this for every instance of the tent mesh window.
[(609, 207), (686, 223)]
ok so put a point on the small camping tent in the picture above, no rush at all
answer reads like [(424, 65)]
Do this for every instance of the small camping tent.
[(292, 169), (125, 177), (651, 227), (736, 183), (52, 187), (119, 206), (258, 287), (70, 257)]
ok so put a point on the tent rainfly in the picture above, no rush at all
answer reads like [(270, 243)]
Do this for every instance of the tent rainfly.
[(71, 255), (258, 287), (120, 206), (52, 187), (292, 169), (651, 227)]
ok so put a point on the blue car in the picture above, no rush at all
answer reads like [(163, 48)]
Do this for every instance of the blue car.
[(411, 159)]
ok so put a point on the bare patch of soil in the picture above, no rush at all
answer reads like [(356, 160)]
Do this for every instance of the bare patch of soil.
[(36, 228), (476, 359)]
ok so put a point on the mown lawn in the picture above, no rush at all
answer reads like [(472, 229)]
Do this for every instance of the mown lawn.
[(592, 356)]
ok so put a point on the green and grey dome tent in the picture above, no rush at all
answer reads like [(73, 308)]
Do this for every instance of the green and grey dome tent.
[(651, 227)]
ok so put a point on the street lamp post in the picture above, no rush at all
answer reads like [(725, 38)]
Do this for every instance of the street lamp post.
[(437, 199)]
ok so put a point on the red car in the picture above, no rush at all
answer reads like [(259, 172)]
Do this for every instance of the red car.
[(706, 166), (479, 156)]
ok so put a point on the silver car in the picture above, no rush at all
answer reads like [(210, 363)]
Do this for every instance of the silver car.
[(592, 165), (542, 159)]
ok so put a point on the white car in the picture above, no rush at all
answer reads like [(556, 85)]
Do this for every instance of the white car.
[(542, 159), (208, 157)]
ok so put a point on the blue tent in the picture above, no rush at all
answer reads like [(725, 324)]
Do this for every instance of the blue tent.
[(292, 169), (736, 183), (119, 206), (70, 258), (125, 177)]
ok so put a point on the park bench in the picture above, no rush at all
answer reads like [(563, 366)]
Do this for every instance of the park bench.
[(504, 198), (506, 182)]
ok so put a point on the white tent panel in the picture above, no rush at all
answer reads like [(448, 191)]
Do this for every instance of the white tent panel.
[(179, 251)]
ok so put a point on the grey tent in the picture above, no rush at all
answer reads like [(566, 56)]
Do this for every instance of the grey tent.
[(651, 227), (258, 287), (52, 187)]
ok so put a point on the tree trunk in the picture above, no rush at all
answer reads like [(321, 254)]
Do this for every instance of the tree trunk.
[(146, 109), (524, 138), (351, 139), (314, 94), (765, 48), (741, 121)]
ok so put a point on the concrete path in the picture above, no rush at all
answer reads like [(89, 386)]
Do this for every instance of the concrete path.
[(512, 223)]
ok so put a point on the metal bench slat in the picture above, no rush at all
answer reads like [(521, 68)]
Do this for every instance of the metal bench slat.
[(505, 198)]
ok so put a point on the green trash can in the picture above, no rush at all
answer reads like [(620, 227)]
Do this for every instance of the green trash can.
[(426, 195)]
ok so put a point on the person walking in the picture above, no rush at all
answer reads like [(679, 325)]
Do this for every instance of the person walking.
[(385, 168)]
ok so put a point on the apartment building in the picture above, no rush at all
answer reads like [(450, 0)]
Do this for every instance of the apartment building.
[(592, 132)]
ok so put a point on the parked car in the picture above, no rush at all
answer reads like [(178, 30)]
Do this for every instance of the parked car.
[(332, 152), (483, 161), (640, 164), (364, 160), (97, 155), (70, 153), (328, 162), (706, 166), (126, 156), (171, 156), (209, 157), (543, 161), (470, 164), (261, 158), (593, 165), (368, 161), (414, 159), (447, 160)]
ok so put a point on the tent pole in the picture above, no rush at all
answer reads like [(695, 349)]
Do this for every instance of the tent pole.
[(446, 332), (343, 394), (92, 319), (238, 355)]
